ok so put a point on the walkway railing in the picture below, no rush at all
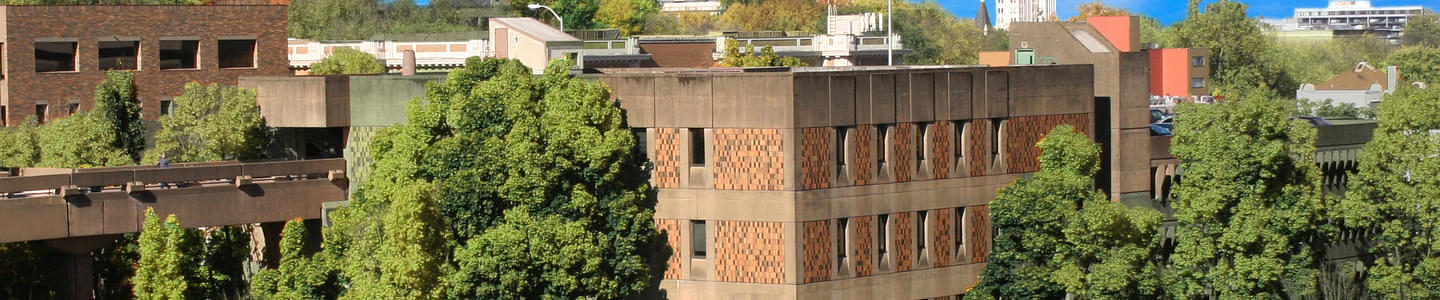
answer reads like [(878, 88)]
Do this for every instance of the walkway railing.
[(139, 178)]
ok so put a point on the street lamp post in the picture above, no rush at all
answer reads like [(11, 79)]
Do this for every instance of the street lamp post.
[(535, 6), (889, 33)]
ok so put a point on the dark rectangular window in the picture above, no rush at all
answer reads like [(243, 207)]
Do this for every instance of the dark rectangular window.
[(697, 239), (840, 146), (165, 107), (920, 144), (642, 142), (697, 147), (1197, 61), (1197, 82), (54, 56), (72, 108), (119, 55), (40, 110), (884, 229), (179, 54), (236, 53), (881, 145), (959, 229), (4, 116)]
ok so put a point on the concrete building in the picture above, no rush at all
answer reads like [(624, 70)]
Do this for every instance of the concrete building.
[(1352, 18), (839, 183), (709, 6), (1111, 46), (1011, 11), (532, 42), (54, 56), (1363, 86)]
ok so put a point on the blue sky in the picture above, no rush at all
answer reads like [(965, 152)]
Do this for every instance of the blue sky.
[(1169, 11)]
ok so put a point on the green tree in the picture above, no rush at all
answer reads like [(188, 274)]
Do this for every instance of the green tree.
[(996, 40), (80, 141), (1096, 9), (302, 274), (347, 61), (627, 15), (1422, 30), (1328, 109), (160, 272), (735, 56), (1393, 195), (23, 271), (119, 111), (20, 144), (115, 267), (1418, 64), (775, 15), (210, 123), (1060, 235), (578, 14), (1242, 53), (499, 144), (1249, 213)]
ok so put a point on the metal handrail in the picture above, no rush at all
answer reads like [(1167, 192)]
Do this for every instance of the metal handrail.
[(192, 172)]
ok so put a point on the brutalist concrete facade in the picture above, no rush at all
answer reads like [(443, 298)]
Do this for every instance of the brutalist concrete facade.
[(22, 88), (858, 183)]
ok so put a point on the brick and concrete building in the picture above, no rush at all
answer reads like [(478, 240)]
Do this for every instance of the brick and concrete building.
[(1179, 75), (54, 56), (1111, 46), (532, 42), (1363, 86), (840, 183)]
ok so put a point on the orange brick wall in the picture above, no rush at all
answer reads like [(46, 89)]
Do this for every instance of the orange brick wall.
[(902, 144), (904, 252), (671, 228), (749, 159), (942, 223), (978, 241), (863, 146), (667, 157), (940, 155), (818, 250), (751, 252), (864, 230), (979, 139), (817, 157), (1023, 133)]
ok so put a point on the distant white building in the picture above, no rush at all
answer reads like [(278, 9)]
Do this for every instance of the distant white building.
[(1350, 18), (710, 6), (1010, 11)]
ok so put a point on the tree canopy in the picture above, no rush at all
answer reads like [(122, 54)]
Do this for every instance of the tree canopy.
[(1393, 195), (627, 15), (1060, 235), (210, 123), (1241, 52), (347, 61), (1418, 63), (1422, 30), (1248, 211), (736, 56), (513, 166)]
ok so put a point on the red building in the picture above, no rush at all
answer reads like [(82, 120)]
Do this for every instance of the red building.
[(1179, 72)]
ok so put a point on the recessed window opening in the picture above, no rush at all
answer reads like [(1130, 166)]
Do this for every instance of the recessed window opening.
[(697, 239), (54, 56), (884, 225), (236, 53), (697, 147), (179, 54), (119, 55)]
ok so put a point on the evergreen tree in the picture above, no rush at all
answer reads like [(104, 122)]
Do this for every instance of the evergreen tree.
[(1394, 195), (160, 273), (119, 109), (302, 275)]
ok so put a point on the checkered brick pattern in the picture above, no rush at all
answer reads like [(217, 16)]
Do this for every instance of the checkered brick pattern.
[(817, 155), (749, 252), (902, 144), (943, 235), (671, 228), (904, 252), (1022, 135), (667, 157), (749, 159), (979, 140), (864, 229), (863, 166), (978, 242), (940, 155), (818, 250)]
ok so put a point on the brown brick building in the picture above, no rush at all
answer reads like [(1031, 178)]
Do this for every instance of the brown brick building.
[(53, 56), (840, 183)]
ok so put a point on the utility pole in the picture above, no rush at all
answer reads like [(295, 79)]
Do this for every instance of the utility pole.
[(889, 33)]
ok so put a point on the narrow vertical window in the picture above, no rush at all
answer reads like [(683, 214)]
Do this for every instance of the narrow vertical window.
[(960, 229), (40, 110), (882, 133), (884, 240), (840, 147), (642, 141), (166, 106), (697, 239), (72, 108), (921, 131), (697, 147), (995, 126), (4, 116), (841, 239), (921, 218)]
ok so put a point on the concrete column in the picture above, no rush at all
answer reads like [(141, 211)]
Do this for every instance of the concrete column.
[(265, 244), (74, 265)]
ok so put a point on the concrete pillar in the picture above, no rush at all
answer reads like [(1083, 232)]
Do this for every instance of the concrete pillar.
[(265, 244), (407, 66), (74, 265)]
